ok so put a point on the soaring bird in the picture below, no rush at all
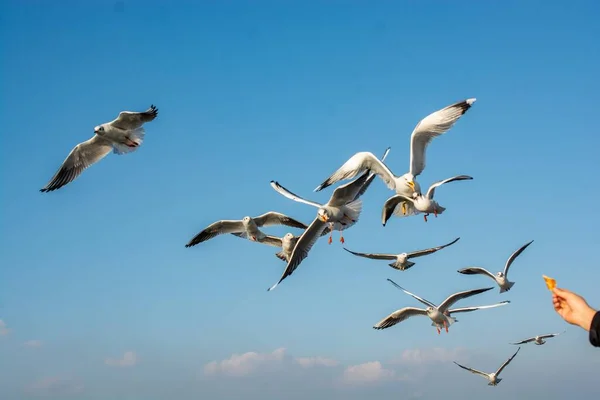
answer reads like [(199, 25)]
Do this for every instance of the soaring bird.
[(123, 135), (493, 377), (246, 228), (401, 261), (539, 339), (439, 315), (427, 129), (501, 278), (417, 202)]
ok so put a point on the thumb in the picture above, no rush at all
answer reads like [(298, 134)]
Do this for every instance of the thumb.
[(564, 293)]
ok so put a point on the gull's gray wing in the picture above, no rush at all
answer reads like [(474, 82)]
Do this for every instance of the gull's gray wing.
[(371, 177), (399, 316), (347, 192), (476, 271), (469, 309), (81, 157), (525, 341), (446, 304), (549, 335), (373, 256), (507, 362), (286, 193), (422, 300), (276, 218), (129, 120), (430, 127), (475, 371), (513, 256), (217, 228), (303, 246), (431, 190), (420, 253)]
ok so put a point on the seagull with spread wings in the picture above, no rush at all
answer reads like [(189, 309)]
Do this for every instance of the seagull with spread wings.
[(441, 316), (122, 135), (401, 261), (341, 212), (286, 243), (501, 278), (493, 377), (539, 339), (427, 129), (247, 228), (418, 203)]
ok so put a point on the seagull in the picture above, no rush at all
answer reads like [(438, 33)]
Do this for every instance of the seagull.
[(427, 129), (122, 135), (246, 228), (401, 260), (439, 315), (341, 212), (493, 377), (501, 278), (539, 339), (287, 243), (419, 203)]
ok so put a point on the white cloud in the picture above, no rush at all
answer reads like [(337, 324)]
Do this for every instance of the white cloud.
[(307, 362), (367, 373), (243, 364), (33, 343), (129, 359), (3, 328), (56, 386)]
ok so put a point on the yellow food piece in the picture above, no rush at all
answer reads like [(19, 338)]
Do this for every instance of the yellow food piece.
[(551, 283)]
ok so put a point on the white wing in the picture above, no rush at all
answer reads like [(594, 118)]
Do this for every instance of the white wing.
[(431, 190), (422, 300), (286, 193), (399, 316), (507, 362), (129, 120), (549, 335), (425, 252), (303, 246), (393, 204), (374, 256), (276, 218), (525, 341), (514, 256), (469, 309), (371, 177), (430, 127), (81, 157), (475, 371), (476, 271), (218, 228), (446, 304), (355, 165)]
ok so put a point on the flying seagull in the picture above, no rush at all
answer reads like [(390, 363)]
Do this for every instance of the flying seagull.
[(123, 135), (501, 278), (427, 129), (401, 260), (418, 203), (439, 315), (493, 377), (539, 339), (286, 243), (341, 212), (246, 228)]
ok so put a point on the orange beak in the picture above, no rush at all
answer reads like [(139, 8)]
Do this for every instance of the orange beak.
[(324, 217)]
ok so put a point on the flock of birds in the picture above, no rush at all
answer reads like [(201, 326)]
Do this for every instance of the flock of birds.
[(126, 133)]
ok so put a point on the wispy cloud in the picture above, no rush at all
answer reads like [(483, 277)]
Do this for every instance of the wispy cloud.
[(307, 362), (33, 343), (129, 359), (56, 386), (243, 364), (429, 355), (367, 373), (3, 328)]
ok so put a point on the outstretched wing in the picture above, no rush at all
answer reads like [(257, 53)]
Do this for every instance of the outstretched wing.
[(525, 341), (420, 253), (303, 246), (514, 256), (431, 190), (276, 218), (81, 157), (373, 256), (430, 127), (371, 177), (358, 163), (129, 120), (217, 228), (549, 335), (507, 362), (422, 300), (469, 309), (475, 371), (286, 193), (446, 304), (390, 205), (476, 271), (399, 316)]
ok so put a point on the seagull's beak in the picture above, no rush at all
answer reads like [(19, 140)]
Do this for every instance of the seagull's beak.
[(411, 184), (323, 217)]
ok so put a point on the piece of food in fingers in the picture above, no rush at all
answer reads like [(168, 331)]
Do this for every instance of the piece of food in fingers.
[(550, 282)]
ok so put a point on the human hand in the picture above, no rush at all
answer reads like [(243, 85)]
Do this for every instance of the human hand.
[(572, 308)]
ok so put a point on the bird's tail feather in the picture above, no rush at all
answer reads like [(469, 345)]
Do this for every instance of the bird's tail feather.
[(135, 138)]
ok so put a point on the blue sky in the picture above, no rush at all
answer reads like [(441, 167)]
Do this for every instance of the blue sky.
[(98, 296)]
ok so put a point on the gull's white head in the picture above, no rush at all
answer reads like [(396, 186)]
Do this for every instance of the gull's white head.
[(409, 180), (99, 130), (288, 236), (323, 215), (429, 310), (246, 220), (499, 274)]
